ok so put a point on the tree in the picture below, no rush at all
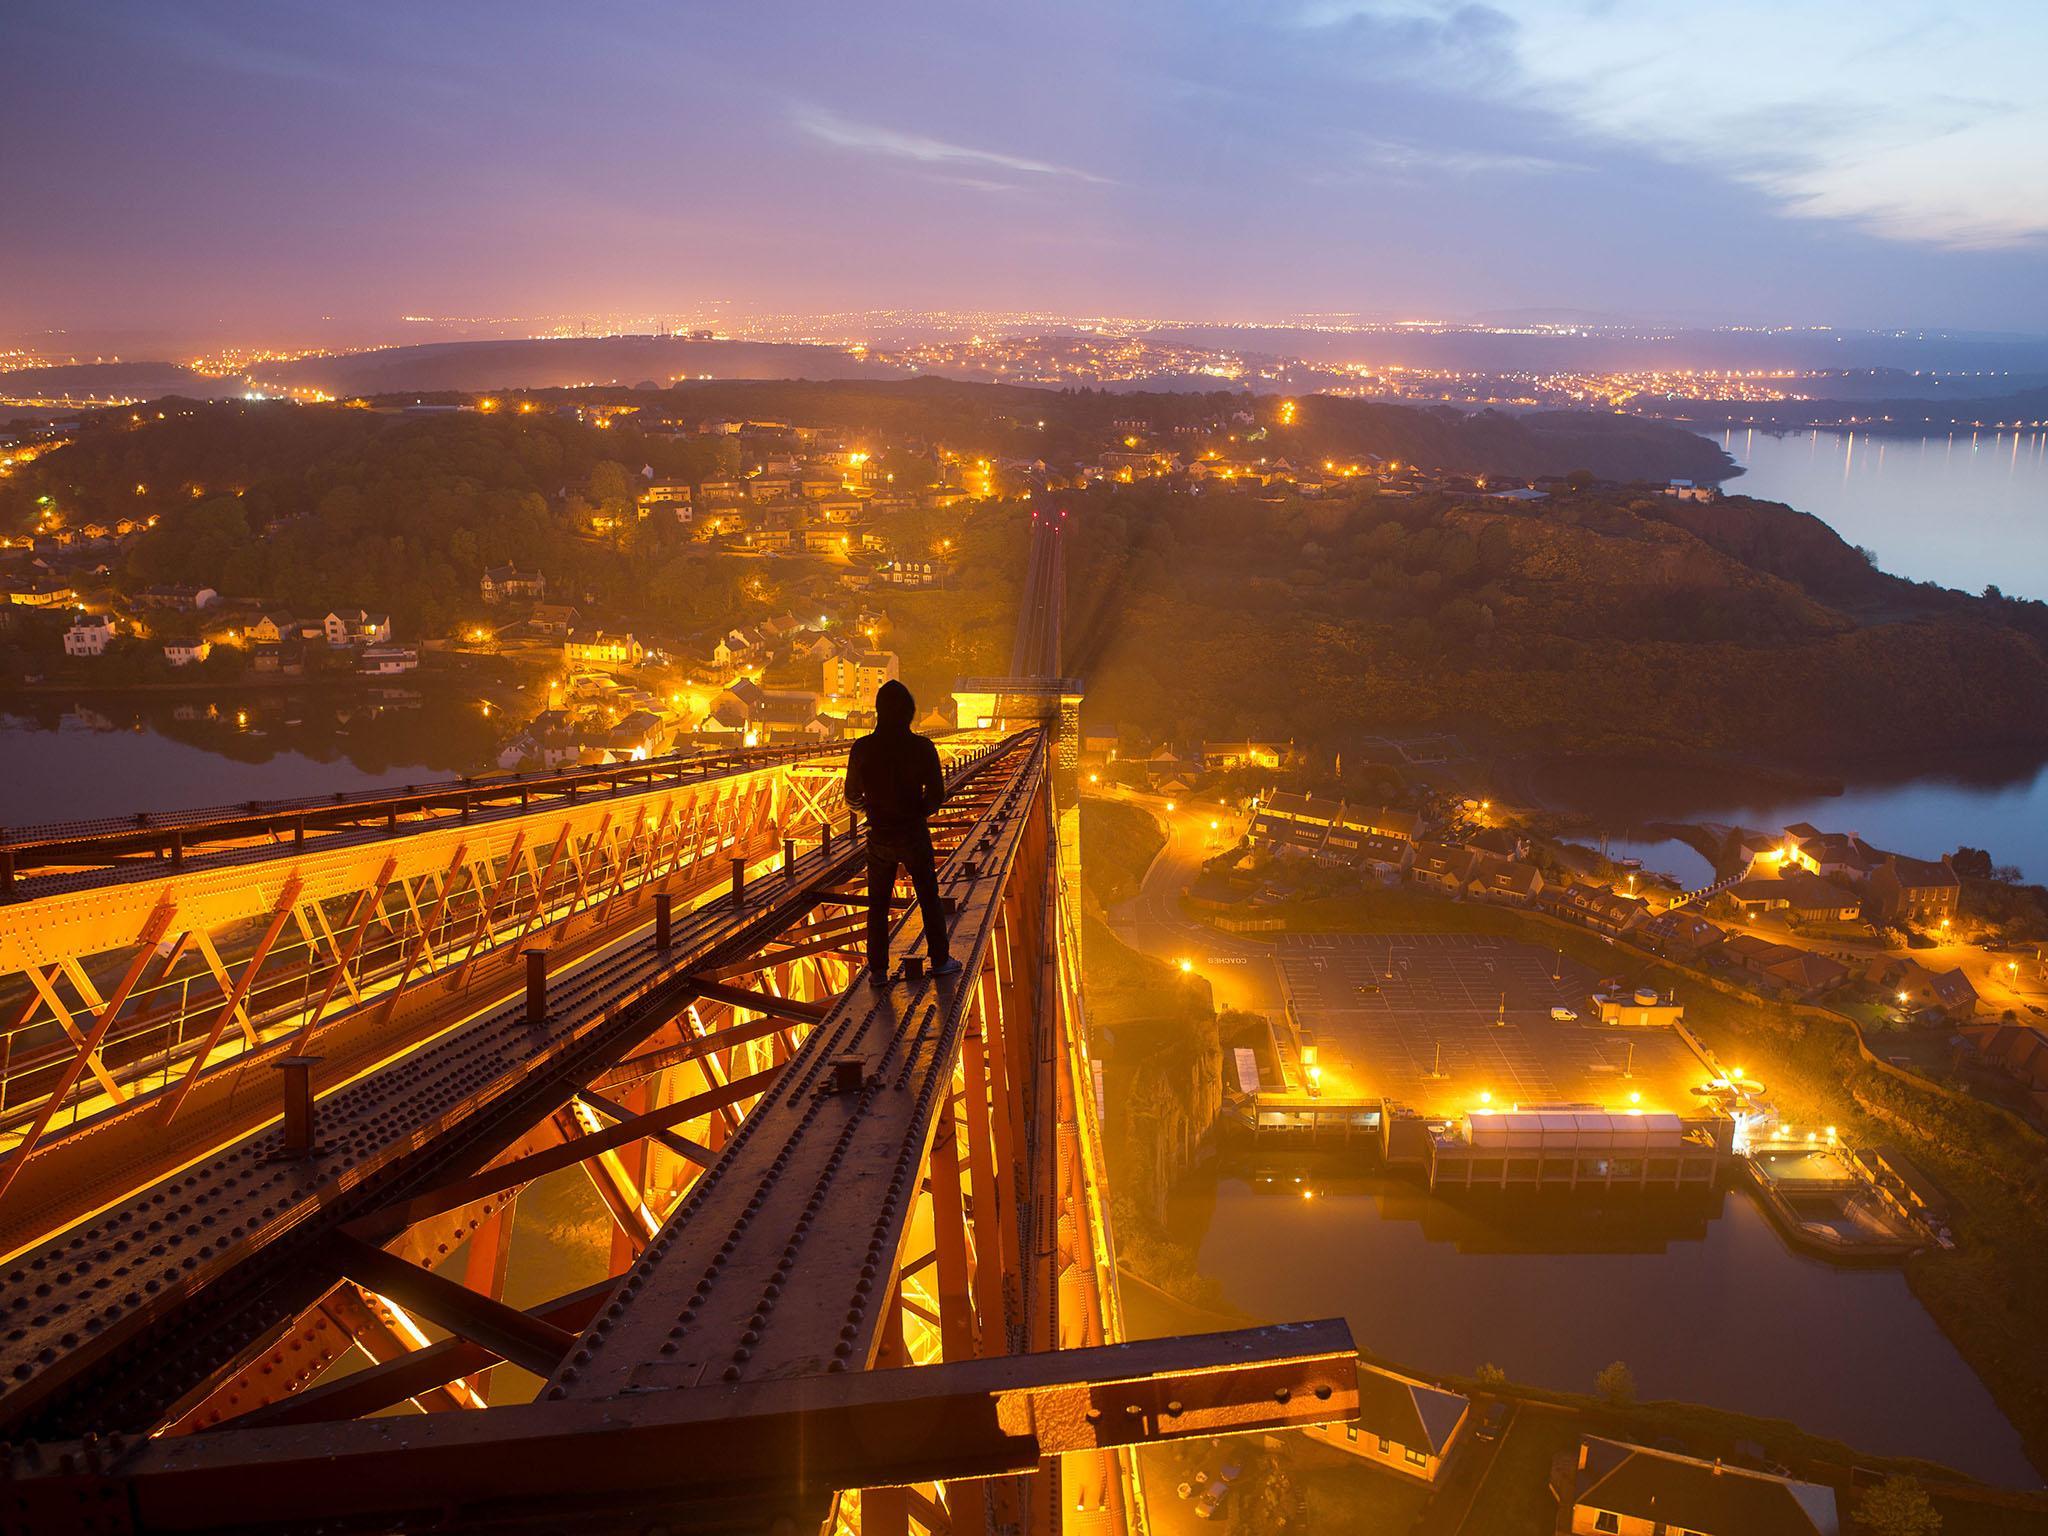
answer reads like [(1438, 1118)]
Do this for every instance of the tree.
[(1617, 1385), (1491, 1375), (1898, 1506), (1972, 863)]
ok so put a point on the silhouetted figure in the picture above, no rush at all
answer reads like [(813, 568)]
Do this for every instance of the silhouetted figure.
[(892, 774)]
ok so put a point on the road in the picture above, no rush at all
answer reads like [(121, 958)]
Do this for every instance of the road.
[(1242, 972)]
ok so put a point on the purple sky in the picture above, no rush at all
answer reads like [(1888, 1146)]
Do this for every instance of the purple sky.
[(236, 171)]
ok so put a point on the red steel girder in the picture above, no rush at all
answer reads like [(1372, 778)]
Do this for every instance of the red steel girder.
[(700, 1458)]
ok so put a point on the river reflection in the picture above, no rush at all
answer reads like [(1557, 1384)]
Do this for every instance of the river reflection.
[(1706, 1304), (113, 754)]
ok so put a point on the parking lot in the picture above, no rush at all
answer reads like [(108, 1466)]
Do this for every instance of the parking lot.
[(1436, 1020)]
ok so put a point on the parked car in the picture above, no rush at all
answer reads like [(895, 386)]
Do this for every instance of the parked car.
[(1210, 1505), (1564, 1015), (1492, 1421)]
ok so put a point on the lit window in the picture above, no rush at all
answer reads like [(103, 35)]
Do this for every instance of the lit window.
[(1351, 1433), (1386, 1445), (1418, 1458)]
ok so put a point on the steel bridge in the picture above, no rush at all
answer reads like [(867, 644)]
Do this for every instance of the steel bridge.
[(274, 1076)]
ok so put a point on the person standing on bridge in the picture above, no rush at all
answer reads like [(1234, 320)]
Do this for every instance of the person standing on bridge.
[(893, 775)]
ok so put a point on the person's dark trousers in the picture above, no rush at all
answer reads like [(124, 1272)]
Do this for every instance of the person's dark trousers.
[(908, 848)]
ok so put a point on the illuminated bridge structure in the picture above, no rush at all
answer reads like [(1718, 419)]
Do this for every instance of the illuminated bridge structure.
[(276, 1076)]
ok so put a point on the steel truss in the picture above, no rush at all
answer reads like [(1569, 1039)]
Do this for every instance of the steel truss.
[(861, 1270), (141, 1017)]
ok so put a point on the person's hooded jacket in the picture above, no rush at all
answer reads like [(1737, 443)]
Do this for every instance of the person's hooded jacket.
[(893, 774)]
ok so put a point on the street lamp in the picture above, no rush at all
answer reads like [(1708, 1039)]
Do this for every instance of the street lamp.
[(1187, 966)]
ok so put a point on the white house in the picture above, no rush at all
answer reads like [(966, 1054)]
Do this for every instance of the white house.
[(185, 653), (386, 659), (88, 635)]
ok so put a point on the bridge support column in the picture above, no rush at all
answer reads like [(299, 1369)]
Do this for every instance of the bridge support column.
[(664, 930)]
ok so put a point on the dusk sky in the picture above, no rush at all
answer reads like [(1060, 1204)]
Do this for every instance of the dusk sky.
[(236, 170)]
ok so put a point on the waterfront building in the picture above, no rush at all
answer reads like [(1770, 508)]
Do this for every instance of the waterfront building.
[(88, 635), (1404, 1425), (1631, 1490), (1572, 1148), (1918, 891), (186, 653)]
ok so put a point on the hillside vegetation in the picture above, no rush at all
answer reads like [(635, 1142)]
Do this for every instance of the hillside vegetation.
[(1605, 620)]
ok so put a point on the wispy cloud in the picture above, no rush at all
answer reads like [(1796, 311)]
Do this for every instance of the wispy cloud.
[(1926, 127), (1401, 157), (892, 144)]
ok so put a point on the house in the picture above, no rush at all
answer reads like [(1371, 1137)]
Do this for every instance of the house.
[(354, 626), (1631, 1490), (670, 496), (1913, 985), (176, 598), (552, 618), (857, 677), (723, 493), (1313, 816), (1800, 971), (1596, 907), (1493, 878), (599, 647), (40, 594), (1224, 755), (1404, 1425), (387, 659), (88, 635), (1837, 855), (1385, 857), (2018, 1050), (1903, 890), (1504, 841), (1680, 933), (272, 626), (737, 647), (1441, 867), (1797, 893), (1807, 974), (284, 658), (755, 714), (509, 584), (639, 736), (186, 653), (908, 573)]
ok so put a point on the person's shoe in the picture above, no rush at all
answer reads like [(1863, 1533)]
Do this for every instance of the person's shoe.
[(880, 977), (946, 967)]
